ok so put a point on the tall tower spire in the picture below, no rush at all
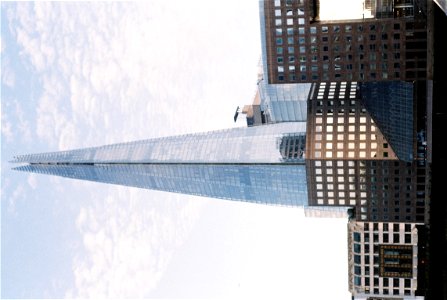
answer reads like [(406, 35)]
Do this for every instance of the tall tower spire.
[(261, 164)]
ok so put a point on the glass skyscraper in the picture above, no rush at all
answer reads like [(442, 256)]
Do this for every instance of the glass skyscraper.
[(260, 164)]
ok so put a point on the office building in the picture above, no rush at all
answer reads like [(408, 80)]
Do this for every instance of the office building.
[(259, 164), (383, 260), (387, 40), (365, 148)]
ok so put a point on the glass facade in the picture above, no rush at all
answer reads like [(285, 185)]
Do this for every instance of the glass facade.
[(260, 164), (390, 104), (284, 102), (280, 184)]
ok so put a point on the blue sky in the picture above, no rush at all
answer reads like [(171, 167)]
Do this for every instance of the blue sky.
[(78, 74)]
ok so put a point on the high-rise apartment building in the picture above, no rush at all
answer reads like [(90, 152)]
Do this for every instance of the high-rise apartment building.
[(387, 40)]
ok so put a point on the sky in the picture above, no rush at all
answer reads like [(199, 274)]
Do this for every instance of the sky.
[(81, 74)]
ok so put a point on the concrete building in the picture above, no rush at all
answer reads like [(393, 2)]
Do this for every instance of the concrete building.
[(383, 260)]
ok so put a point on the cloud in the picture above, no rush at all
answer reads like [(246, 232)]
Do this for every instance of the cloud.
[(7, 129), (32, 181), (127, 244), (112, 61), (8, 75), (119, 71), (16, 195), (14, 121)]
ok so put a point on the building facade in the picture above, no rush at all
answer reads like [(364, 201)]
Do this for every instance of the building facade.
[(388, 41), (383, 260), (259, 164), (363, 150)]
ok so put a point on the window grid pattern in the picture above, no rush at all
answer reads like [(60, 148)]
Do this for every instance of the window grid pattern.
[(368, 242), (280, 184), (339, 126), (300, 50), (257, 144), (389, 191)]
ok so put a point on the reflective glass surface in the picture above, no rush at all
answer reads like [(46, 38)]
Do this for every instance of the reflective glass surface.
[(284, 102), (259, 164), (257, 144), (279, 184)]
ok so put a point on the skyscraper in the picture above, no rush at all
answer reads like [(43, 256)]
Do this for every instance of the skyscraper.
[(318, 143), (260, 164)]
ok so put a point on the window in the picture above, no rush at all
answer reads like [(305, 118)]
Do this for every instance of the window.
[(278, 22)]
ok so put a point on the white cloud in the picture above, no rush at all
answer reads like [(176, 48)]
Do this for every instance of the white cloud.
[(121, 71), (8, 75), (32, 181), (14, 122), (128, 243), (7, 129), (127, 64), (16, 195)]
